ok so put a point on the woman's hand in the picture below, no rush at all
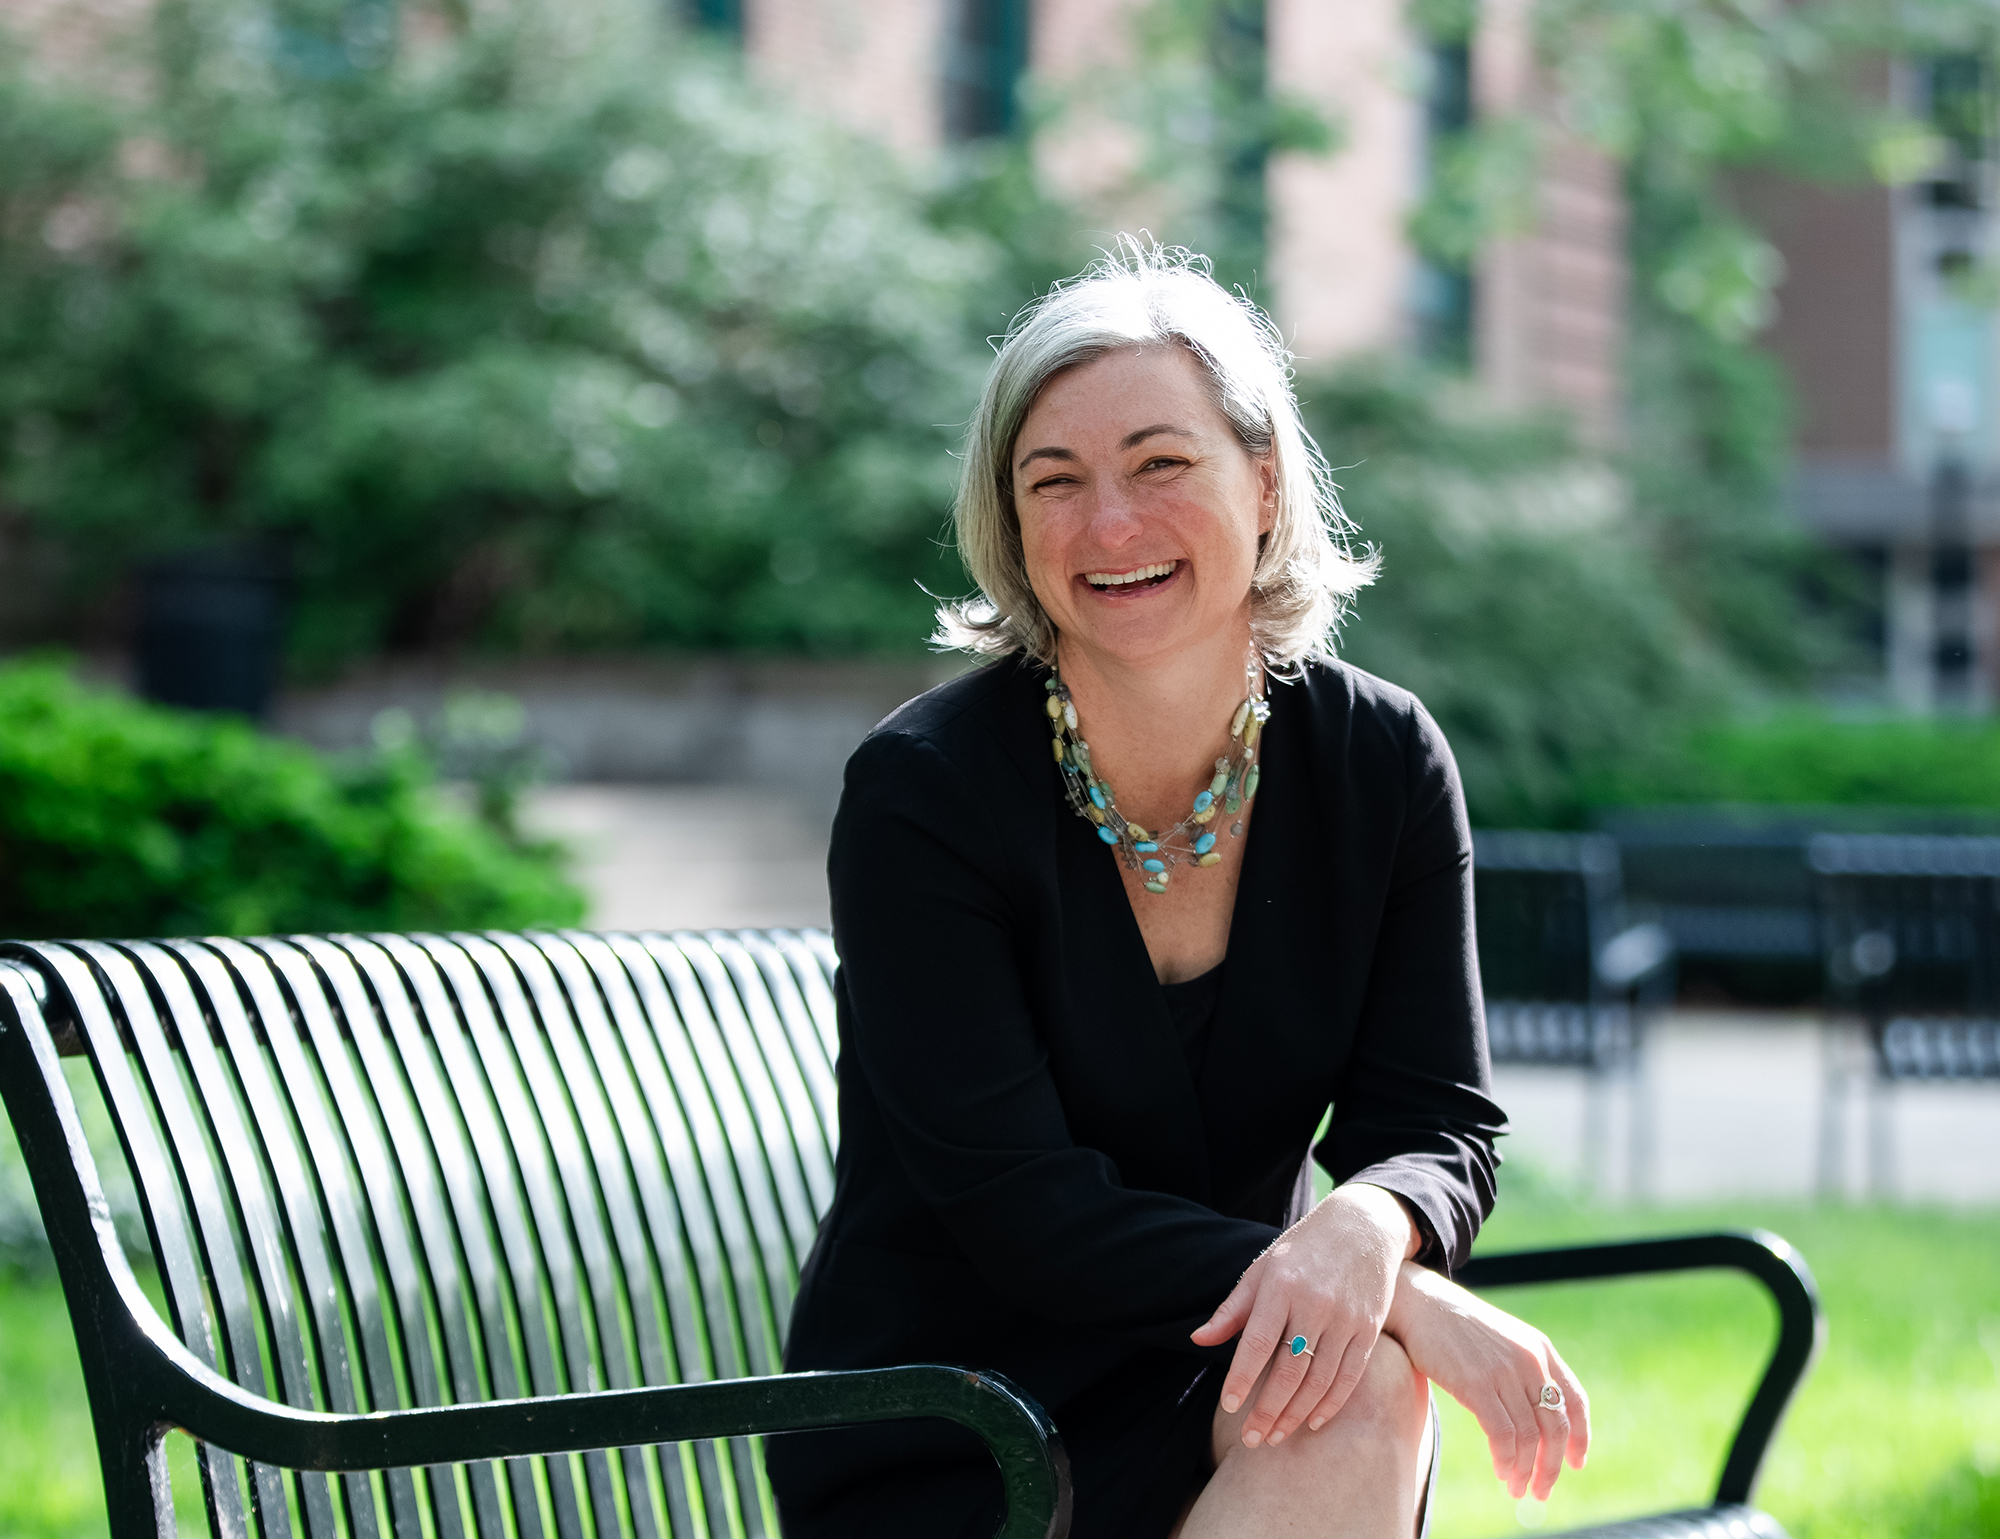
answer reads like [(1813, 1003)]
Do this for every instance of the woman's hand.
[(1329, 1278), (1495, 1366)]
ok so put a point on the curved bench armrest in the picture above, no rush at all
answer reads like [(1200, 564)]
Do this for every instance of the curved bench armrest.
[(1765, 1256), (1034, 1469)]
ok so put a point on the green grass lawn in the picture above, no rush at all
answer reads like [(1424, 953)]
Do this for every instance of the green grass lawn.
[(1897, 1432)]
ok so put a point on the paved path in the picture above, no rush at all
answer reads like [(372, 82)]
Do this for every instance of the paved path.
[(1732, 1100)]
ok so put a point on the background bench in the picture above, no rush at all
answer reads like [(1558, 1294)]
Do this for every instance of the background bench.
[(1567, 980), (433, 1214), (1911, 926)]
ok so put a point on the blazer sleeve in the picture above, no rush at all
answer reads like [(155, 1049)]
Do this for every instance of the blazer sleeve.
[(943, 1030), (1413, 1110)]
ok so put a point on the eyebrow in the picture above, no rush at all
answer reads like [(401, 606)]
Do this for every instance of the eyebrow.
[(1130, 440)]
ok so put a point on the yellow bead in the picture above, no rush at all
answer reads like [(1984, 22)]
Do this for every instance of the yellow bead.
[(1094, 814), (1250, 730), (1212, 858), (1205, 814), (1057, 745), (1055, 708), (1136, 831)]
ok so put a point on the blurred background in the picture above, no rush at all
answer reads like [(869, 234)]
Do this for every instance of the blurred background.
[(487, 462)]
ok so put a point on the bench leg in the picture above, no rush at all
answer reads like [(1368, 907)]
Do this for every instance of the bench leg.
[(138, 1497), (1881, 1137)]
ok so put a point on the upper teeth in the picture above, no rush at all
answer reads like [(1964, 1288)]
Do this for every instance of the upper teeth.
[(1137, 574)]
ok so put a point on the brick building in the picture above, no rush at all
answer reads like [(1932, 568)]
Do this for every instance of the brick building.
[(1539, 319), (1890, 342), (1888, 333)]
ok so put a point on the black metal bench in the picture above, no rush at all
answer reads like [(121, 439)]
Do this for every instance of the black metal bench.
[(1567, 981), (498, 1235), (1912, 933)]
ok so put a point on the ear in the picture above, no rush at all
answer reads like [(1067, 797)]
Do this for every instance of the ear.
[(1267, 489)]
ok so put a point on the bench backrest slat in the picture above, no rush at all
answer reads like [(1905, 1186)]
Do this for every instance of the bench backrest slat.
[(212, 1230), (506, 1070), (314, 1245), (355, 1341)]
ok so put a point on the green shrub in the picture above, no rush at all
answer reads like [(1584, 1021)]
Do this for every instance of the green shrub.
[(1807, 758), (118, 818)]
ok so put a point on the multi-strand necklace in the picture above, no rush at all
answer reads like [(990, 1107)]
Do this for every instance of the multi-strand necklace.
[(1193, 839)]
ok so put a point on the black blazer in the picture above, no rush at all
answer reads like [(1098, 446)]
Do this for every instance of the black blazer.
[(1030, 1177)]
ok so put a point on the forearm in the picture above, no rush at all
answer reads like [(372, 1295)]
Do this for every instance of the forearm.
[(1389, 1212)]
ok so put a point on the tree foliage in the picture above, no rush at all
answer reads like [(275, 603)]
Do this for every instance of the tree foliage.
[(539, 327), (1519, 597)]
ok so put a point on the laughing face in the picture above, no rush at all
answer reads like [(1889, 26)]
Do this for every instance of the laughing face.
[(1139, 509)]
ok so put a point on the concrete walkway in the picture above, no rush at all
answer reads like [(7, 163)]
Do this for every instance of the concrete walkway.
[(1728, 1103)]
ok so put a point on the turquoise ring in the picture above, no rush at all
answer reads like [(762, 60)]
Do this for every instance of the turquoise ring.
[(1299, 1347)]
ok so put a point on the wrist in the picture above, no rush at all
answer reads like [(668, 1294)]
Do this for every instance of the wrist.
[(1389, 1212)]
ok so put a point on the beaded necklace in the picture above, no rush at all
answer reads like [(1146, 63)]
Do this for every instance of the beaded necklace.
[(1191, 839)]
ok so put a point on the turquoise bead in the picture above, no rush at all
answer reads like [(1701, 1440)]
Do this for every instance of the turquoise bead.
[(1107, 835), (1145, 846), (1153, 865), (1204, 844), (1204, 801), (1298, 1346), (1097, 798)]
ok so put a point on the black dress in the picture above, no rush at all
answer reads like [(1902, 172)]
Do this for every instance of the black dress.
[(1047, 1166)]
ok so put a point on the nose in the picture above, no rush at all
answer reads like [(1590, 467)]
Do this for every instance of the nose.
[(1112, 520)]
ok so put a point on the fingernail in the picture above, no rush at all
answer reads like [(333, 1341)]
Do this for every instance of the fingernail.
[(1315, 1425), (1230, 1403), (1277, 1438), (1252, 1439)]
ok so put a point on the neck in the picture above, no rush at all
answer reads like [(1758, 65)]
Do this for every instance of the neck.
[(1156, 727)]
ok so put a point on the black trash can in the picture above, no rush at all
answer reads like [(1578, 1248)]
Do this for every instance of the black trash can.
[(211, 629)]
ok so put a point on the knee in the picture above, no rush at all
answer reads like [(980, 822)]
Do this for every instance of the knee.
[(1392, 1399)]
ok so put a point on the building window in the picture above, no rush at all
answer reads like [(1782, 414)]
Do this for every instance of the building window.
[(986, 53), (1441, 296), (721, 16)]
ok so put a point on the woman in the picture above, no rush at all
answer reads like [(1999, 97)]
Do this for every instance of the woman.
[(1120, 915)]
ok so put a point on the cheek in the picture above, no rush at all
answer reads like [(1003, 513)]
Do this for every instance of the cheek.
[(1041, 553)]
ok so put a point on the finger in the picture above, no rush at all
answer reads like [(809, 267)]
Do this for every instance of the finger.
[(1494, 1420), (1254, 1349), (1577, 1402), (1323, 1370), (1554, 1437), (1231, 1314), (1280, 1386), (1353, 1364), (1528, 1421)]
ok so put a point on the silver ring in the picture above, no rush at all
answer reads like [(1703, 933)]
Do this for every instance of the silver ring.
[(1552, 1398)]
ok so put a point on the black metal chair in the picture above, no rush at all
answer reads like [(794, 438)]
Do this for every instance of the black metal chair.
[(1912, 933), (441, 1220), (1567, 982)]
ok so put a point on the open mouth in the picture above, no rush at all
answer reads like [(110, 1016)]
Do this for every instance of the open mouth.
[(1137, 580)]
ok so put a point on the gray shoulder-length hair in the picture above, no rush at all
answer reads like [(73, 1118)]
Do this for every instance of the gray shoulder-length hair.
[(1307, 570)]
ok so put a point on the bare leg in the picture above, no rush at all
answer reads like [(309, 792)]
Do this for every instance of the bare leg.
[(1360, 1475)]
